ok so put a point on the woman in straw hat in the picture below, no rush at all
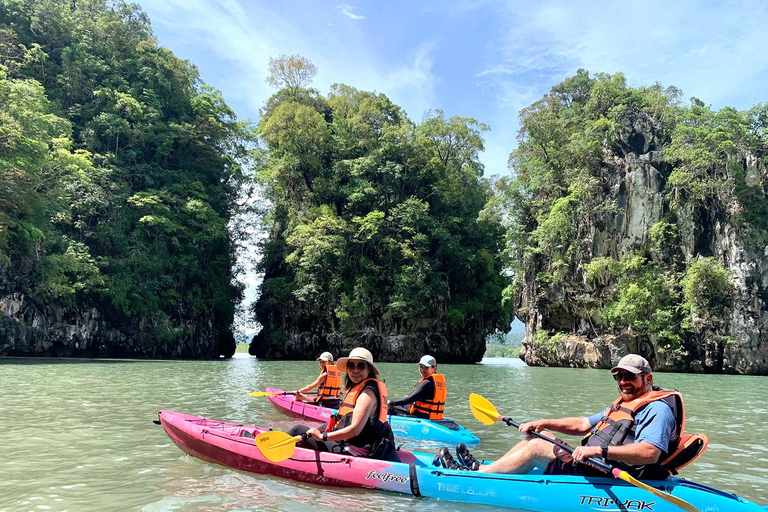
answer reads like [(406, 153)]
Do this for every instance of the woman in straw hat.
[(328, 384), (360, 427)]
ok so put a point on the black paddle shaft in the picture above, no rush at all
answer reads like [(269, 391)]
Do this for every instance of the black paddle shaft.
[(597, 463)]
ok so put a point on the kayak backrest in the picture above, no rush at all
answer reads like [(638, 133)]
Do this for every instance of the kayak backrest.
[(689, 448)]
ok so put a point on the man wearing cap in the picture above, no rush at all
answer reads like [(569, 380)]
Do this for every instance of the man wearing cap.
[(634, 433), (328, 384), (428, 397)]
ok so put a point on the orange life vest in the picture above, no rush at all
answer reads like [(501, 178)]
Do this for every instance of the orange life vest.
[(617, 427), (434, 407), (350, 399), (331, 388)]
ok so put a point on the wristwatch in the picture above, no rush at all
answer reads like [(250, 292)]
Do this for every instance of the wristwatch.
[(325, 436), (604, 452)]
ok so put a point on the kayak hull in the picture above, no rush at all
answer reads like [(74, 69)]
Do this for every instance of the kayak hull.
[(445, 431), (553, 493), (224, 443)]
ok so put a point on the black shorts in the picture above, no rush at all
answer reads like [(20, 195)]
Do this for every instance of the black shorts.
[(565, 465)]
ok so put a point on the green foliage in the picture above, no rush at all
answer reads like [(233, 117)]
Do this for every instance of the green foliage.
[(708, 292), (118, 165), (709, 164), (376, 221), (502, 351)]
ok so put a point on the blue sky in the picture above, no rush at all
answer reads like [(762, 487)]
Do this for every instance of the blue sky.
[(485, 59), (482, 59)]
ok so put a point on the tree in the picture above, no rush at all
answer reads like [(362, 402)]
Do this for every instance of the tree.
[(293, 73)]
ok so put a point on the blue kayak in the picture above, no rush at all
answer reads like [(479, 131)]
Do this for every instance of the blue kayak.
[(442, 431), (554, 493)]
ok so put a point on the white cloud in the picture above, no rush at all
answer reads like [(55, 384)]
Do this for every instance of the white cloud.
[(346, 10), (709, 50)]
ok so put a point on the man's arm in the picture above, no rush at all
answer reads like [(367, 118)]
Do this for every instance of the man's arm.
[(572, 426), (634, 454)]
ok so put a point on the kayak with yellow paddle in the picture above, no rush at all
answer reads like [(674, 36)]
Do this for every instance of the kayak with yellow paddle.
[(259, 450)]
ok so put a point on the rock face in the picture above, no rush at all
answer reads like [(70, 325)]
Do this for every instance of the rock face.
[(390, 347), (30, 328), (562, 326)]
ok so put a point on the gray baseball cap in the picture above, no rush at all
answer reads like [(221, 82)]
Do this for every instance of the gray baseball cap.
[(633, 363)]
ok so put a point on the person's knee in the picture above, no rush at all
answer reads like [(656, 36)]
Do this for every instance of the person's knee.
[(297, 430), (538, 448)]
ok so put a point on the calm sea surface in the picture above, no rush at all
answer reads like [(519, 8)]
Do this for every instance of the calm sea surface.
[(78, 434)]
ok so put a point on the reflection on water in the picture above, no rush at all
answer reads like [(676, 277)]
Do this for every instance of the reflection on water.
[(78, 434)]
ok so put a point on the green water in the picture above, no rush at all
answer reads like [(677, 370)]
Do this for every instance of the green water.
[(78, 434)]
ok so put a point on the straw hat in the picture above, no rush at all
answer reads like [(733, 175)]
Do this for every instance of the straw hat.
[(326, 356), (360, 354)]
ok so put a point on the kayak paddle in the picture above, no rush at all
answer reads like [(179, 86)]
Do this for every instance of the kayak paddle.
[(264, 393), (277, 446), (485, 412)]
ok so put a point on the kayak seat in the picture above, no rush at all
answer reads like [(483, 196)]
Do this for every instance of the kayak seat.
[(450, 424), (689, 448)]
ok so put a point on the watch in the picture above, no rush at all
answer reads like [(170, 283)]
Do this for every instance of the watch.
[(325, 436), (604, 452)]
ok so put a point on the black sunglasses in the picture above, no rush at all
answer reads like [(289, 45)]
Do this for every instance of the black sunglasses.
[(626, 376), (360, 366)]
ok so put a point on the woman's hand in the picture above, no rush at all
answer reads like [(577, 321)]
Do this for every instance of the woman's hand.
[(315, 433)]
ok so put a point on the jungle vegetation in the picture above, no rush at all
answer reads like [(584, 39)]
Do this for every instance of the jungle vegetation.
[(376, 222), (119, 171), (674, 286)]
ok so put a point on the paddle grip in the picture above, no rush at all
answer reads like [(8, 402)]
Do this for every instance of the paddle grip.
[(596, 463)]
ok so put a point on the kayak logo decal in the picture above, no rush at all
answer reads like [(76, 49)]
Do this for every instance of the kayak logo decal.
[(386, 477), (400, 428), (602, 501)]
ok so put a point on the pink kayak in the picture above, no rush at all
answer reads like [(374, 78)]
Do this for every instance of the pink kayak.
[(233, 445), (444, 431)]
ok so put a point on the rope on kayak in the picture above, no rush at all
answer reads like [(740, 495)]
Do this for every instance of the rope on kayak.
[(345, 460)]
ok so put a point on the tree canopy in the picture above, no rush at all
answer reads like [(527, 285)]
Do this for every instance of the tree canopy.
[(377, 224), (119, 171)]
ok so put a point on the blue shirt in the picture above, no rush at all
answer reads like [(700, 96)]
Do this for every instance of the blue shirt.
[(656, 424)]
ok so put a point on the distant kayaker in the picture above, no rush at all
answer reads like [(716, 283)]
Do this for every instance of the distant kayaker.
[(637, 432), (360, 427), (328, 384), (428, 397)]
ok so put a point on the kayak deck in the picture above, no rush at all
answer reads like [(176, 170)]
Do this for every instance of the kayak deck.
[(445, 431), (231, 445)]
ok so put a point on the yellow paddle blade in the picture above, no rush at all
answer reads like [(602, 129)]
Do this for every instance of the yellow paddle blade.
[(483, 410), (264, 393), (276, 446), (661, 494)]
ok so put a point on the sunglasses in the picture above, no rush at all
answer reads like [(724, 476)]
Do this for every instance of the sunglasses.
[(626, 376), (360, 366)]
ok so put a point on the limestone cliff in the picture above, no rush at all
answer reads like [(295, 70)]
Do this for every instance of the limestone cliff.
[(643, 183), (32, 327)]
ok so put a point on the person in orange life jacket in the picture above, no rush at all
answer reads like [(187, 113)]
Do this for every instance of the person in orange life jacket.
[(426, 400), (361, 426), (328, 384), (655, 428)]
